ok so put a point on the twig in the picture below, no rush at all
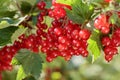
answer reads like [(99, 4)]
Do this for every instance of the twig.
[(84, 24), (18, 7)]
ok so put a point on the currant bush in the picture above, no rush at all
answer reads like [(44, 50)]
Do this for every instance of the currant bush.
[(67, 35)]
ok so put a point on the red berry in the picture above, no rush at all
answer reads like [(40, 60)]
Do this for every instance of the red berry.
[(102, 23), (75, 34), (62, 39), (40, 18), (21, 37), (105, 30), (117, 32), (110, 50), (58, 31), (85, 53), (106, 41), (115, 40), (76, 43), (68, 57), (49, 59), (41, 5), (97, 24), (84, 34), (62, 47), (108, 57)]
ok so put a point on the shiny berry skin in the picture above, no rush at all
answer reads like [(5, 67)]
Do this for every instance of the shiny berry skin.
[(68, 57), (108, 50), (40, 18), (21, 37), (102, 23), (84, 34), (58, 31), (105, 30), (62, 39), (117, 32), (76, 43), (49, 59), (97, 24), (85, 53), (115, 40), (75, 34), (41, 5), (106, 41), (62, 47), (108, 57)]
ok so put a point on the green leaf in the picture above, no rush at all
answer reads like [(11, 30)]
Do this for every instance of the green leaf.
[(48, 4), (7, 22), (25, 7), (29, 78), (4, 2), (118, 1), (48, 20), (74, 17), (4, 24), (32, 2), (5, 9), (34, 19), (7, 14), (31, 62), (5, 35), (94, 45), (97, 1), (21, 74), (21, 30), (113, 18), (18, 21), (15, 62), (68, 2), (80, 12)]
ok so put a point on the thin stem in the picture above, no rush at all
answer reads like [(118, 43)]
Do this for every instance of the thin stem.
[(25, 21), (25, 24), (84, 24), (18, 7), (64, 21)]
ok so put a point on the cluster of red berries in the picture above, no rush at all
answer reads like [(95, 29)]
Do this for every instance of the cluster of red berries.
[(8, 52), (6, 55), (111, 44), (102, 23), (57, 10), (31, 42), (63, 37)]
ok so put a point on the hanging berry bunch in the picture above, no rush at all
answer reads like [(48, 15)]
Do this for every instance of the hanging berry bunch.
[(63, 38), (111, 40)]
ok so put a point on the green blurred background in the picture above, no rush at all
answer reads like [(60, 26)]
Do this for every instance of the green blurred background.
[(78, 68)]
